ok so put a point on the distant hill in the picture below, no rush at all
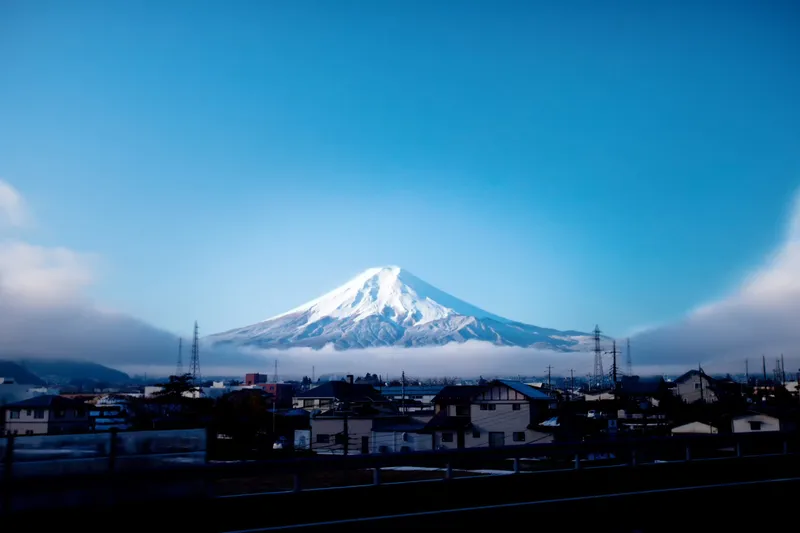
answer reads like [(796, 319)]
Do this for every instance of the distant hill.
[(66, 371), (21, 375)]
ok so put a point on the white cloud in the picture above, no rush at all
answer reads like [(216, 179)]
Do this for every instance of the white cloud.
[(43, 276), (762, 317), (12, 207), (45, 312)]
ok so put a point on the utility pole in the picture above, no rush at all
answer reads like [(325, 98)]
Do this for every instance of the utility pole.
[(700, 372), (764, 367), (629, 362), (275, 374), (598, 359), (747, 371), (783, 371), (179, 367), (613, 354), (403, 392), (571, 381), (549, 377), (195, 356)]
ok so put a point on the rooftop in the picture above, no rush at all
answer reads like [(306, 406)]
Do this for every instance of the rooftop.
[(49, 401)]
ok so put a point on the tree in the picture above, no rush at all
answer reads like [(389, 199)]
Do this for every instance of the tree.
[(177, 386), (306, 382)]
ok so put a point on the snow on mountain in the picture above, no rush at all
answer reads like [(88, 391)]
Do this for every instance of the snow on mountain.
[(389, 306)]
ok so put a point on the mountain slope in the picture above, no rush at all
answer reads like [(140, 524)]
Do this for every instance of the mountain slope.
[(389, 306)]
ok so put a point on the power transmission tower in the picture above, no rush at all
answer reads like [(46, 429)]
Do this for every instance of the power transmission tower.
[(549, 376), (195, 364), (179, 367), (629, 359), (599, 375)]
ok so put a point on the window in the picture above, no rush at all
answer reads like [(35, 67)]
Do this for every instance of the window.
[(696, 386), (28, 412), (447, 437), (755, 426), (13, 414), (340, 439), (308, 403), (516, 407), (488, 407), (462, 410), (519, 436), (29, 432), (323, 439), (39, 413), (476, 434)]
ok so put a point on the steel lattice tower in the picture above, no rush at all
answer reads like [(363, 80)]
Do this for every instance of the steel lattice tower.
[(599, 375), (195, 364)]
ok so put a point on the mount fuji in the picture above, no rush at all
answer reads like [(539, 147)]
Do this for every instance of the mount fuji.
[(389, 306)]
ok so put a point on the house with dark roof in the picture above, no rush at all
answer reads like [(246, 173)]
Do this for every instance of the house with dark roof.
[(335, 395), (46, 415), (342, 415), (499, 413)]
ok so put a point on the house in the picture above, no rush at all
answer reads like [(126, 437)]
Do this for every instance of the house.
[(111, 412), (695, 428), (696, 385), (753, 422), (401, 434), (499, 413), (417, 397), (334, 395), (46, 415)]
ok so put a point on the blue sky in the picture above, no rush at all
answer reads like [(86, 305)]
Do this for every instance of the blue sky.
[(559, 163)]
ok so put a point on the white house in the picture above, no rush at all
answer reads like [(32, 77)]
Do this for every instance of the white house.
[(755, 422), (695, 385), (695, 428)]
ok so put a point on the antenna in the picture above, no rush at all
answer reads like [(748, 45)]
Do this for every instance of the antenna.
[(629, 359), (179, 367), (195, 365), (598, 360)]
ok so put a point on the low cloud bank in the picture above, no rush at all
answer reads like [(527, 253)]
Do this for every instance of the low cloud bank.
[(761, 317)]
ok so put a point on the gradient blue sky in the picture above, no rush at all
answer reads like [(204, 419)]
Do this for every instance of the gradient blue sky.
[(560, 163)]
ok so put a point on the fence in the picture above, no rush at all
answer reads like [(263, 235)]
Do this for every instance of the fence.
[(64, 455)]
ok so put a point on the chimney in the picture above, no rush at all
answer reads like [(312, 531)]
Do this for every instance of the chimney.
[(350, 378)]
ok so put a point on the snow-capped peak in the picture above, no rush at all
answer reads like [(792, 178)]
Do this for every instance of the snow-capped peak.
[(391, 292)]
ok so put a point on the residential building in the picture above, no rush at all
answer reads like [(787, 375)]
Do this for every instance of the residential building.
[(417, 397), (281, 392), (696, 385), (695, 428), (338, 395), (401, 434), (754, 422), (255, 379), (46, 415), (499, 413), (111, 412)]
